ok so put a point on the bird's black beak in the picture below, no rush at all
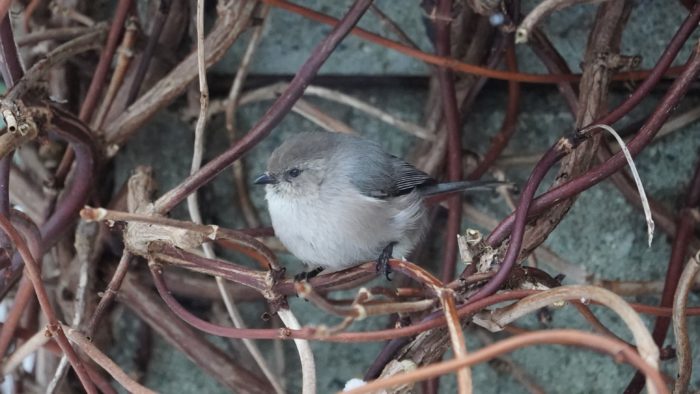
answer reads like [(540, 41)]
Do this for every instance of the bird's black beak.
[(265, 179)]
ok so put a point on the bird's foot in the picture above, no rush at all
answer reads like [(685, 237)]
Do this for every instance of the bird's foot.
[(277, 274), (306, 275), (383, 260)]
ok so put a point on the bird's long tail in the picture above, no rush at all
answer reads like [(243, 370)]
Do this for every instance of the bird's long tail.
[(459, 186)]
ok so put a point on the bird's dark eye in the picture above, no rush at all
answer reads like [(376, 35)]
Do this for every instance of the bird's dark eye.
[(294, 172)]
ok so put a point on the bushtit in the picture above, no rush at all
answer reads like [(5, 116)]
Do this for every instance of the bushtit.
[(336, 200)]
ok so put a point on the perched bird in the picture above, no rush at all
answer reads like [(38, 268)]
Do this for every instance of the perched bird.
[(337, 200)]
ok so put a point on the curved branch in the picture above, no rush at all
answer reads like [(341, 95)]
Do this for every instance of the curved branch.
[(680, 324), (645, 343), (618, 350), (273, 115)]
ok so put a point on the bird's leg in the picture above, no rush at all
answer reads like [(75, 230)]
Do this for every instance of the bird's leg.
[(307, 274), (277, 274), (383, 260)]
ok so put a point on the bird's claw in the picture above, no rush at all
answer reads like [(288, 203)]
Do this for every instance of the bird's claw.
[(383, 260), (306, 275)]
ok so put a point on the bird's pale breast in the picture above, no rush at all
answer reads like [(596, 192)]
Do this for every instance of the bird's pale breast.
[(344, 229)]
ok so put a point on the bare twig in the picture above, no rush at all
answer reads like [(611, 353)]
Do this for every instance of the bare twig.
[(211, 359), (603, 344), (274, 114), (308, 365), (193, 205), (27, 348), (83, 260), (157, 24), (543, 9), (249, 212), (54, 327), (447, 61), (680, 324), (230, 24), (105, 362), (126, 54), (647, 348)]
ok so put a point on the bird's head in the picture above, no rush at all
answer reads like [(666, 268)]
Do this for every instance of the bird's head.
[(298, 167)]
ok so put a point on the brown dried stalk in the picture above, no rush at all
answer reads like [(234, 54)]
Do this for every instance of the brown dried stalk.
[(229, 25), (62, 53), (54, 327), (87, 347), (543, 9), (680, 324), (208, 357), (646, 346), (602, 344), (600, 61)]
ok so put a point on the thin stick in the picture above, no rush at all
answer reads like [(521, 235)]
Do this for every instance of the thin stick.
[(110, 293), (106, 363), (249, 213), (449, 62), (79, 308), (614, 348), (193, 205), (27, 348), (543, 9), (54, 327), (232, 21), (126, 54), (308, 366), (680, 325), (647, 348), (274, 114), (459, 345)]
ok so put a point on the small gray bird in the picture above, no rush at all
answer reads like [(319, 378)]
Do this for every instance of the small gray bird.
[(337, 200)]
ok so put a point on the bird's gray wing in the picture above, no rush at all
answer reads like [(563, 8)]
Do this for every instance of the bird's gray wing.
[(387, 176), (407, 177)]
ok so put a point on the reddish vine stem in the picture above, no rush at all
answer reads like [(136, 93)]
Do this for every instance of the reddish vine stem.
[(679, 252), (552, 155), (684, 31), (592, 177), (274, 114), (10, 66), (555, 63), (97, 82), (596, 174), (25, 291), (78, 135), (454, 151), (157, 25), (66, 127), (614, 348), (450, 62), (500, 140), (54, 327), (212, 360), (111, 292), (313, 333), (11, 70)]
